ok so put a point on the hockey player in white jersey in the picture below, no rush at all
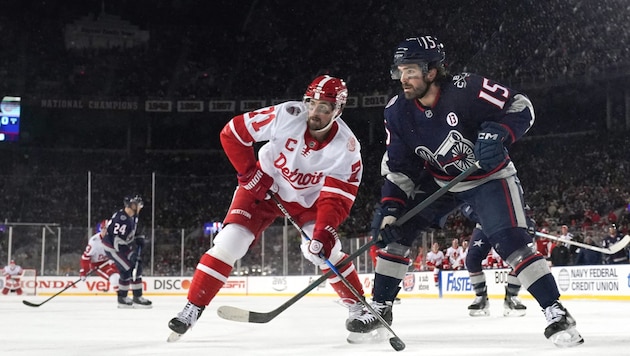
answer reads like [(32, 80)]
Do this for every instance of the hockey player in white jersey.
[(12, 273), (95, 258), (312, 163)]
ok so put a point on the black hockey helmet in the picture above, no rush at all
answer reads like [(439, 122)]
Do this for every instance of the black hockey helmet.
[(426, 51), (133, 199)]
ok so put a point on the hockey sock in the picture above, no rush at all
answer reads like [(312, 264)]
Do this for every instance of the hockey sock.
[(210, 275), (5, 291), (350, 273), (513, 285), (390, 270), (18, 291), (123, 288), (535, 275), (136, 287), (478, 281)]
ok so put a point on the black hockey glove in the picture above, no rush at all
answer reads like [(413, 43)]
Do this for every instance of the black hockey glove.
[(382, 227), (489, 148)]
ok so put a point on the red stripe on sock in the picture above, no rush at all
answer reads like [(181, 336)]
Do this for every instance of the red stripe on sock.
[(205, 287)]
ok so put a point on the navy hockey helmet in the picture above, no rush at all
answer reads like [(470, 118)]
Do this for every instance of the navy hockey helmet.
[(426, 51), (330, 89), (133, 199)]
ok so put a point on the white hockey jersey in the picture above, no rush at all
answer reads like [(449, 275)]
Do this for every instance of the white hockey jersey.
[(302, 167), (94, 251), (12, 270)]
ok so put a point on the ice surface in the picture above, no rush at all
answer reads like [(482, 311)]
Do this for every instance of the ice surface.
[(313, 326)]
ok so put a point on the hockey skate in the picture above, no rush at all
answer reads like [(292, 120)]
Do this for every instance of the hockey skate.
[(512, 306), (561, 327), (142, 303), (480, 306), (365, 327), (125, 303), (355, 311), (184, 320)]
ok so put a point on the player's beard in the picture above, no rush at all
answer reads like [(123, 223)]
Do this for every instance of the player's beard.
[(314, 123), (416, 92)]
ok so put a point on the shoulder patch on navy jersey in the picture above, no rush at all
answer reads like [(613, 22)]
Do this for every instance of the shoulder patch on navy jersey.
[(123, 217), (391, 101), (460, 80)]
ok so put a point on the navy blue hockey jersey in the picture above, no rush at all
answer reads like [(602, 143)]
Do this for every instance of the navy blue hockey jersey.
[(121, 230), (440, 139)]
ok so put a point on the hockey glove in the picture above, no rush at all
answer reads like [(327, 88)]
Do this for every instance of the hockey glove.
[(382, 227), (257, 182), (489, 148), (322, 243)]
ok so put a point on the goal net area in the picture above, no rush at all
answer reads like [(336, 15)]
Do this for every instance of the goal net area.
[(29, 281)]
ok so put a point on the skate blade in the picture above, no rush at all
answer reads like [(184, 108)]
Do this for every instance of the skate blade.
[(373, 337), (478, 312), (567, 338), (174, 337), (514, 312)]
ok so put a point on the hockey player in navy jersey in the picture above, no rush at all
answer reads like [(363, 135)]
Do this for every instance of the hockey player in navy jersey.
[(122, 246), (437, 127)]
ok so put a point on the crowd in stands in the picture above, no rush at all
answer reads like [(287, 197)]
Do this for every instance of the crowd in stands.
[(573, 165)]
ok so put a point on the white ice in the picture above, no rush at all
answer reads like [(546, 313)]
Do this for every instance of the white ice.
[(313, 326)]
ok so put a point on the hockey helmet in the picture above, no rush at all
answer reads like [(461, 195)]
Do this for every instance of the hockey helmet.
[(330, 89), (425, 51), (133, 199)]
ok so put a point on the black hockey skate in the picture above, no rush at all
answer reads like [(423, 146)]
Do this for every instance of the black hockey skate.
[(366, 322), (365, 327), (480, 306), (512, 306), (561, 327), (125, 303), (142, 303), (184, 320)]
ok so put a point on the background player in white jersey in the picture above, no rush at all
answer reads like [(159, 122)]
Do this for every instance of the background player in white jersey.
[(12, 273), (435, 261), (311, 162), (95, 258), (454, 254)]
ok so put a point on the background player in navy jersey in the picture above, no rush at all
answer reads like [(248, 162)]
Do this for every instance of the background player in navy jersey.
[(123, 247), (437, 127)]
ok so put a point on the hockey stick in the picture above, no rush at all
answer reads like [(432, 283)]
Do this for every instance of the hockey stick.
[(247, 316), (30, 304), (611, 250), (134, 273), (395, 341)]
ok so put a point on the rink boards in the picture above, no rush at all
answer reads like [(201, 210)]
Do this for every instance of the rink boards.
[(608, 282)]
